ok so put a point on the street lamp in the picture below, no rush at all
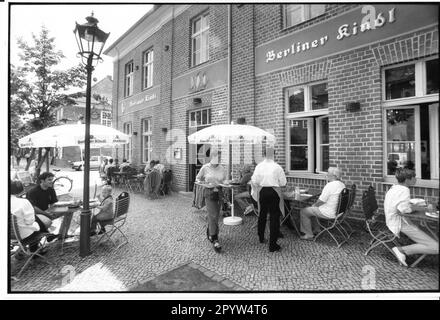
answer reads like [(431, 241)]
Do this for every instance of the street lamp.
[(90, 40)]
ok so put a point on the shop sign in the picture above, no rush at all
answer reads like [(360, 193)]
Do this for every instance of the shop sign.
[(141, 100), (364, 25)]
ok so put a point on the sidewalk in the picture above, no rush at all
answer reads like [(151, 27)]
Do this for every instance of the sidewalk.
[(168, 233)]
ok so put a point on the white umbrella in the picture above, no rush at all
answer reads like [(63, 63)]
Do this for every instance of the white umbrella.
[(231, 133), (227, 133), (73, 135)]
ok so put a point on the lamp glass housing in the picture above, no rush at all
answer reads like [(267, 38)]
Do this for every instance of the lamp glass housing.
[(90, 39)]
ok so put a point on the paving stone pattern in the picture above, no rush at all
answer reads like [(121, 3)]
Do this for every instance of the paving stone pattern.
[(168, 233)]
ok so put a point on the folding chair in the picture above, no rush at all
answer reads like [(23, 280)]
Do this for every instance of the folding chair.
[(165, 185), (121, 209), (131, 180), (154, 180), (25, 244), (26, 180), (330, 225), (378, 231), (344, 221)]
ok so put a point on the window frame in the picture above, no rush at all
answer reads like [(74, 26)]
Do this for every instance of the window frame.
[(209, 117), (313, 117), (413, 103), (106, 120), (129, 79), (305, 13), (150, 135), (200, 34), (147, 69), (127, 149)]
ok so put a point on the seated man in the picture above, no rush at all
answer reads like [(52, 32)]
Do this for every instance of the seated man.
[(124, 164), (103, 212), (325, 207), (28, 223), (245, 177), (42, 196), (397, 201)]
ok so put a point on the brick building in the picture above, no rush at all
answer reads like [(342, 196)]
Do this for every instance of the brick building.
[(352, 85), (101, 113)]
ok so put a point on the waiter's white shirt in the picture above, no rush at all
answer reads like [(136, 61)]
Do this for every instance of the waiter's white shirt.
[(268, 173)]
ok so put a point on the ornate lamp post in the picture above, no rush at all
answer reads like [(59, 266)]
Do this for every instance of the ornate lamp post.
[(90, 40)]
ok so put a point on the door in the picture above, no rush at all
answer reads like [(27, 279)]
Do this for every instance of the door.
[(198, 120)]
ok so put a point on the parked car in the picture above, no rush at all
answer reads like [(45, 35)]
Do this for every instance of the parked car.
[(95, 163)]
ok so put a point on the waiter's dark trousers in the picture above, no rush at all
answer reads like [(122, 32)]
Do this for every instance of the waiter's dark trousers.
[(269, 203)]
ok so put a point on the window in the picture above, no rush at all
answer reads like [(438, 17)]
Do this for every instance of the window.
[(129, 74), (296, 13), (307, 128), (106, 118), (200, 40), (146, 140), (148, 58), (411, 116), (200, 118), (126, 150)]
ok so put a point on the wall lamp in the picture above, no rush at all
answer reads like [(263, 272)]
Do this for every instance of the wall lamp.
[(353, 106)]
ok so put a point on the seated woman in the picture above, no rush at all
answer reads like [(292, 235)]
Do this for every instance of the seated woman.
[(28, 222), (245, 177), (150, 167), (104, 212)]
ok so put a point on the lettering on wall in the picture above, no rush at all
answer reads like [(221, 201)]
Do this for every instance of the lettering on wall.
[(369, 22), (141, 100)]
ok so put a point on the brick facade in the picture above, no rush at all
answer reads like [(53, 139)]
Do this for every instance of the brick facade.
[(356, 138)]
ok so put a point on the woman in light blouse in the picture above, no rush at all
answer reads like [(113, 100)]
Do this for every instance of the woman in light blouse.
[(212, 174)]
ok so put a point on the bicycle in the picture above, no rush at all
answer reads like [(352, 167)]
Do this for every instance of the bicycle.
[(61, 184)]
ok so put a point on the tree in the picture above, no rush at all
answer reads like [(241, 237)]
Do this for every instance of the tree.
[(38, 87)]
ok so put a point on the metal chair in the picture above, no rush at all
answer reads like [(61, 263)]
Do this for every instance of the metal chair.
[(330, 225), (378, 231), (120, 216), (165, 185), (344, 221), (25, 244), (27, 181)]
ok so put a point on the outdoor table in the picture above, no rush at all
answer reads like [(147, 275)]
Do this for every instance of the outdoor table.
[(427, 222), (232, 220), (297, 202), (66, 212)]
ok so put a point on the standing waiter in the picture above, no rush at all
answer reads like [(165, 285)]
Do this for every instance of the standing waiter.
[(267, 180)]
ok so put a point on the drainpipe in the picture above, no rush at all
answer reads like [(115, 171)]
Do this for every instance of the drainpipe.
[(230, 82), (117, 96), (253, 53), (171, 84)]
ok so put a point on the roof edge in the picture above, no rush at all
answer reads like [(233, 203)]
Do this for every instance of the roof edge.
[(114, 44)]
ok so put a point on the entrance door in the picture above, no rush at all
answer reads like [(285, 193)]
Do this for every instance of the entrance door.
[(198, 120)]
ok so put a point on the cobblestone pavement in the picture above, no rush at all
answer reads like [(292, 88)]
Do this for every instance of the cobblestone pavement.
[(167, 233)]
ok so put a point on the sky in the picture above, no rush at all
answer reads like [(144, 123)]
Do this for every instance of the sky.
[(60, 19)]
